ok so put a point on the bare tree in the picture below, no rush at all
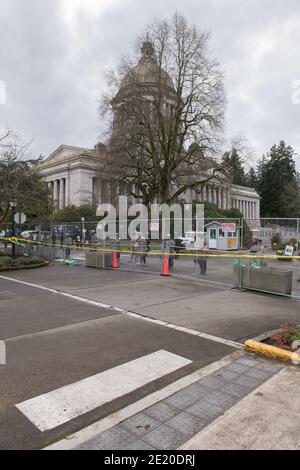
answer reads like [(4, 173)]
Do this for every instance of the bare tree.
[(167, 114), (19, 179)]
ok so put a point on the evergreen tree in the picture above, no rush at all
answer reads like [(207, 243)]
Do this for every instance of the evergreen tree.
[(251, 178), (277, 182), (234, 166)]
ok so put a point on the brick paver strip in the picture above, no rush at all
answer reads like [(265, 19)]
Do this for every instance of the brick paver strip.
[(171, 422), (162, 411)]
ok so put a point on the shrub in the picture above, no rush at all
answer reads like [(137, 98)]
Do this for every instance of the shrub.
[(290, 334), (276, 240), (28, 261), (284, 339), (293, 242), (7, 261)]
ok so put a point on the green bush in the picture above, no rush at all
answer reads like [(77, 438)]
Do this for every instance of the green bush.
[(293, 242), (28, 261), (276, 240), (290, 334), (7, 261)]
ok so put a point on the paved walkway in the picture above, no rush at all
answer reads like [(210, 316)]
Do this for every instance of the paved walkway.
[(174, 420), (267, 419)]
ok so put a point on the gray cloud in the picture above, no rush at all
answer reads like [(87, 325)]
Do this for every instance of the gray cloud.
[(52, 59)]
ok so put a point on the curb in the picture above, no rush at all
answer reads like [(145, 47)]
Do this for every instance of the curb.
[(271, 351)]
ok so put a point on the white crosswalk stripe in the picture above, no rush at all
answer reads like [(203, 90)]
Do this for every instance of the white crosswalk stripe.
[(59, 406)]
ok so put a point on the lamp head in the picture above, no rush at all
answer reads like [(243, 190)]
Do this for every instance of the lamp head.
[(13, 202)]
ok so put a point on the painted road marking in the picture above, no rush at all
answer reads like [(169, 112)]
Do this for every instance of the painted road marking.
[(93, 430), (59, 406)]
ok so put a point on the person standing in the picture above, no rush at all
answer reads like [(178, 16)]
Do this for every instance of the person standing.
[(144, 248), (67, 244), (202, 259), (136, 250), (171, 249)]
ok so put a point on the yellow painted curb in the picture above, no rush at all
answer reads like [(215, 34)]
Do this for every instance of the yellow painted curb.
[(271, 351)]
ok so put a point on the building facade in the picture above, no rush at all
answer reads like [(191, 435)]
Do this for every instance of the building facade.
[(74, 173)]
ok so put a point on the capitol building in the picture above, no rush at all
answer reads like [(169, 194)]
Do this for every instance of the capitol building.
[(74, 174)]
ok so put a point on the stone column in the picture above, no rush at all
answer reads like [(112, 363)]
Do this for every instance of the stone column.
[(224, 198), (210, 193), (67, 186), (202, 194), (219, 197), (61, 193), (55, 194), (257, 212), (214, 195), (228, 199)]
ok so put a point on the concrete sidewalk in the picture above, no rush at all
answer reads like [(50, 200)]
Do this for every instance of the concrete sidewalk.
[(268, 418), (169, 423)]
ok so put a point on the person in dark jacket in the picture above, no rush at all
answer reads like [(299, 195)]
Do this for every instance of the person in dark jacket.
[(202, 259)]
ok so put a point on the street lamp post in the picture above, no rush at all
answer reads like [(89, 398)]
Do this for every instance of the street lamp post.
[(12, 204)]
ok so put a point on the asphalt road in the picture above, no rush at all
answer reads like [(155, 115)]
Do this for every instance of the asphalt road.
[(202, 304), (54, 341)]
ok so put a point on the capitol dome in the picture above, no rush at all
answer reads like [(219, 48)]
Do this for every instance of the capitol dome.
[(146, 72)]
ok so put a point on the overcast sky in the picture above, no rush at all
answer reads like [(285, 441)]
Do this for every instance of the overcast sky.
[(53, 54)]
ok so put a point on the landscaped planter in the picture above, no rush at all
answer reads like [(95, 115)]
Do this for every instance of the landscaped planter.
[(96, 259), (282, 344), (278, 281), (24, 266)]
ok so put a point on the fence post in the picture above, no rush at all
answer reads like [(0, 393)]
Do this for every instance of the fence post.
[(240, 251)]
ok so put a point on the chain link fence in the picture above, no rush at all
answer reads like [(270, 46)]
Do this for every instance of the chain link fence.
[(255, 254)]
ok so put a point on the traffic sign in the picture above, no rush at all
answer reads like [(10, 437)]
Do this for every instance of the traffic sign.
[(228, 227), (20, 218)]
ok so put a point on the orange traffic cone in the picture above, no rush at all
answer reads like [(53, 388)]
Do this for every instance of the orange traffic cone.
[(165, 267), (115, 260)]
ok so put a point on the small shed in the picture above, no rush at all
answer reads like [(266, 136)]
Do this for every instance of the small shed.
[(222, 235)]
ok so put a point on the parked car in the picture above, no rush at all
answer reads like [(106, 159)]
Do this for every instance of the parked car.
[(188, 241), (33, 234)]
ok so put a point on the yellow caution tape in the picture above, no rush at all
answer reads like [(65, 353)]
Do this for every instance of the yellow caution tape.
[(235, 255)]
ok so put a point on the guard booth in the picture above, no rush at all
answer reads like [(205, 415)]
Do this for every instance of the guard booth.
[(222, 236)]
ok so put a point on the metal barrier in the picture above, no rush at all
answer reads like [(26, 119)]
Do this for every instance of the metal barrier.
[(275, 267)]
